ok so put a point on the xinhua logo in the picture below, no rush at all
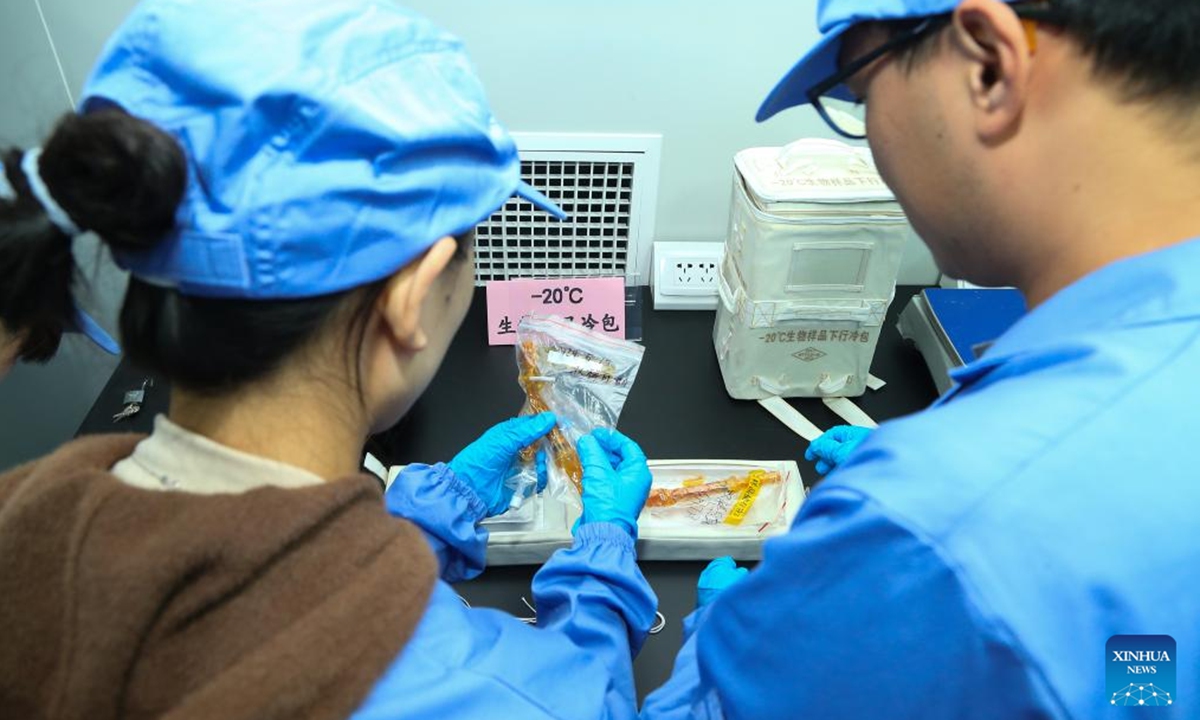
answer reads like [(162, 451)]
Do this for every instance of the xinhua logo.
[(1140, 670)]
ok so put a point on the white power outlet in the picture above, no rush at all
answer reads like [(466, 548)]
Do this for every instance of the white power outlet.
[(686, 275)]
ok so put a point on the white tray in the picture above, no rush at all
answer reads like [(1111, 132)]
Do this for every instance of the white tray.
[(535, 542), (549, 527)]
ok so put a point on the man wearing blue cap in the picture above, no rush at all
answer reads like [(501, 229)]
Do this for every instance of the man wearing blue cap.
[(1025, 548), (293, 186)]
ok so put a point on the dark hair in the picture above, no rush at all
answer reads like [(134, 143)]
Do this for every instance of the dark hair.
[(113, 174), (916, 52), (216, 345), (1150, 47), (123, 178)]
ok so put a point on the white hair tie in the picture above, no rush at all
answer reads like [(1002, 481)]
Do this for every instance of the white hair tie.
[(41, 193)]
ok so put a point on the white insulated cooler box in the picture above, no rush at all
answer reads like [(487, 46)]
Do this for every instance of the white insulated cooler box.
[(814, 247)]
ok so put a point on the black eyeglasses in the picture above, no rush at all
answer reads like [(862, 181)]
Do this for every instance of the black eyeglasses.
[(839, 121)]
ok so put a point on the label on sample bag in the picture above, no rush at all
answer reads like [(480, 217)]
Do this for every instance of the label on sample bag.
[(596, 303), (746, 500)]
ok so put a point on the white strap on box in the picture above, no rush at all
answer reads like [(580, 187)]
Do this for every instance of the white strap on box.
[(767, 313), (848, 411), (831, 386), (372, 463), (874, 383), (827, 386), (791, 417)]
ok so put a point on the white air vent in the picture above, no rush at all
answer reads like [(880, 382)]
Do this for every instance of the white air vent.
[(608, 184)]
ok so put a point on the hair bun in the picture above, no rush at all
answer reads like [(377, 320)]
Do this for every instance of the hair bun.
[(116, 175)]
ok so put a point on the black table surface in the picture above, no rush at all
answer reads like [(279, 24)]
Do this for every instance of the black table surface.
[(678, 409)]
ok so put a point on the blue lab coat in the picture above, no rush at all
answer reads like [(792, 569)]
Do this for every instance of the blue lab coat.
[(594, 611), (973, 560)]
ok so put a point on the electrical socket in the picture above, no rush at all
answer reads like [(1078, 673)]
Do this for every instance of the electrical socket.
[(686, 275)]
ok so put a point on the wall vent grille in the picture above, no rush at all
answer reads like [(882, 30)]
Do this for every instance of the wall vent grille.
[(608, 184)]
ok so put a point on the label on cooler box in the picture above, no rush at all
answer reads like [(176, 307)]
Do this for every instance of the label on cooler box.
[(595, 303), (810, 336)]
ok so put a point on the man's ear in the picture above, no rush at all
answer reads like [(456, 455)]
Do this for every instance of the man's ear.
[(405, 294), (993, 41)]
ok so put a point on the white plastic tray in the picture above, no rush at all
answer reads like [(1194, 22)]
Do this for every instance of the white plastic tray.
[(773, 513), (548, 528)]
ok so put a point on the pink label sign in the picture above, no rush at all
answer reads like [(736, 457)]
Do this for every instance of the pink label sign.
[(595, 303)]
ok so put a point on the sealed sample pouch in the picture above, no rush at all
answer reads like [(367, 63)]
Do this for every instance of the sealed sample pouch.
[(701, 509), (583, 377), (814, 247), (716, 497)]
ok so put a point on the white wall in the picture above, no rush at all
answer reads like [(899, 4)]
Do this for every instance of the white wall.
[(693, 72)]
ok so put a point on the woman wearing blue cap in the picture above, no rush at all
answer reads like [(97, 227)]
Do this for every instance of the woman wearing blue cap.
[(293, 186)]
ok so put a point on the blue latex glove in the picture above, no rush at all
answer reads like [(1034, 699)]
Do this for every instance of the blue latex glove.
[(484, 464), (720, 574), (616, 479), (835, 445)]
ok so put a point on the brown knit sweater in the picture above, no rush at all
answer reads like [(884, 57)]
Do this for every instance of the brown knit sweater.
[(117, 602)]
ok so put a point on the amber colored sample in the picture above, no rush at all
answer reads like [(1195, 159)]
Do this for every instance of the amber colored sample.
[(562, 452), (732, 485)]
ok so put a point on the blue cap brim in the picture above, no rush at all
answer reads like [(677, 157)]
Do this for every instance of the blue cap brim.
[(533, 195), (818, 64), (92, 330)]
